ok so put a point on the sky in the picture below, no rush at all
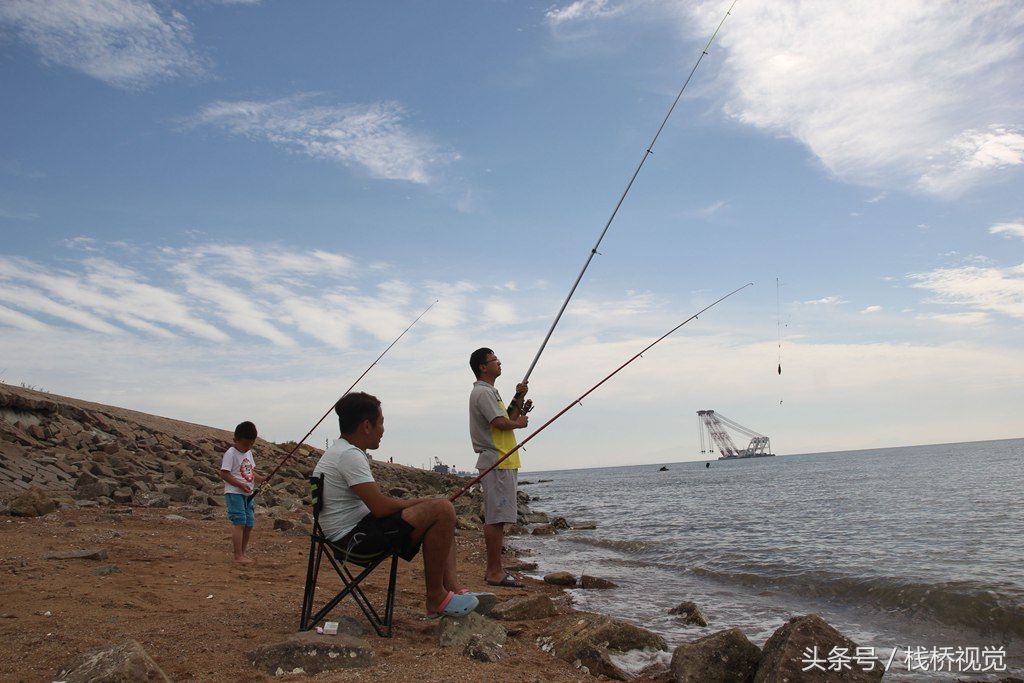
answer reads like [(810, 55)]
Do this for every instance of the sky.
[(225, 210)]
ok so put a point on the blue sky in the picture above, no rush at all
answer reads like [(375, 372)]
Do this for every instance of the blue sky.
[(220, 211)]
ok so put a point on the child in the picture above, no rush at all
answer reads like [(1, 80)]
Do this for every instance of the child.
[(238, 470)]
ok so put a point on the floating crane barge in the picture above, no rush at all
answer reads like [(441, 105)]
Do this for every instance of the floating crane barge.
[(715, 436)]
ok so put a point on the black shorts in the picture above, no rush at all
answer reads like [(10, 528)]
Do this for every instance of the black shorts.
[(372, 537)]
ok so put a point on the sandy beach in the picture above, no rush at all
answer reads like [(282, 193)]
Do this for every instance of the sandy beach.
[(177, 592)]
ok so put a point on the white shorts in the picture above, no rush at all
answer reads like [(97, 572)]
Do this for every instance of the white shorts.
[(500, 504)]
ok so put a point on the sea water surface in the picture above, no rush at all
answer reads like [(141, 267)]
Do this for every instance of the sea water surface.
[(898, 548)]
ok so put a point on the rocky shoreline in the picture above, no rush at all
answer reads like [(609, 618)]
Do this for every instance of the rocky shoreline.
[(83, 484)]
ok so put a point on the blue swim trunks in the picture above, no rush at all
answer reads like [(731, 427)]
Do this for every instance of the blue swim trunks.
[(240, 512)]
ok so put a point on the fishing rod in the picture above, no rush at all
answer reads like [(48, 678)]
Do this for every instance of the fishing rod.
[(578, 401), (365, 372), (517, 400)]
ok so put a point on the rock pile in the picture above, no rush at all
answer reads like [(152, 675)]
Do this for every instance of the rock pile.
[(57, 451)]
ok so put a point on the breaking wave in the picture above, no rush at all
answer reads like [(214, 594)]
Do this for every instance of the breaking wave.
[(958, 603), (631, 547)]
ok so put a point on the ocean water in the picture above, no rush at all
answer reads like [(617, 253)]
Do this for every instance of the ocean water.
[(898, 548)]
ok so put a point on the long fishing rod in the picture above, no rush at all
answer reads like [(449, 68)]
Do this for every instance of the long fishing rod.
[(365, 372), (589, 391), (517, 400)]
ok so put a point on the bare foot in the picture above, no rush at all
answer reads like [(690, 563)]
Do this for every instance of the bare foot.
[(244, 560)]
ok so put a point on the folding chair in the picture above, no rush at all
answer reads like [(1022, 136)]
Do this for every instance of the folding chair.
[(319, 547)]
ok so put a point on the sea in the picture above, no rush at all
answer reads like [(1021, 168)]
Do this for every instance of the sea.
[(915, 553)]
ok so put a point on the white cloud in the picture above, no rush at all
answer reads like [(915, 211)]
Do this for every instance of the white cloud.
[(371, 136), (826, 301), (711, 209), (125, 43), (871, 309), (993, 290), (915, 93), (1008, 229), (968, 319), (12, 318), (581, 10)]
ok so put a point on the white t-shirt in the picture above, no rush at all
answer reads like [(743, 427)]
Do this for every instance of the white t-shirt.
[(343, 466), (242, 466)]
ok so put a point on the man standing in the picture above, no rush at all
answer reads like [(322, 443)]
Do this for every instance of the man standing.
[(490, 429), (361, 520)]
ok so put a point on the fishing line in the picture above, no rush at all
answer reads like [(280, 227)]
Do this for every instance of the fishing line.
[(517, 401), (365, 372), (579, 400)]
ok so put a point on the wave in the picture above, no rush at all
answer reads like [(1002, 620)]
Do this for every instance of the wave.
[(631, 547), (958, 603)]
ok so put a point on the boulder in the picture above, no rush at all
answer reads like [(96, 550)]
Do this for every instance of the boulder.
[(544, 530), (689, 613), (154, 500), (583, 526), (561, 578), (481, 650), (784, 657), (592, 639), (31, 503), (458, 632), (311, 653), (91, 487), (178, 493), (723, 657), (125, 662), (525, 608), (283, 524), (466, 523), (94, 554), (122, 495), (594, 582), (560, 523)]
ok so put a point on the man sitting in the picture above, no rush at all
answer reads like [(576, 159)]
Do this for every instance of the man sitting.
[(360, 520)]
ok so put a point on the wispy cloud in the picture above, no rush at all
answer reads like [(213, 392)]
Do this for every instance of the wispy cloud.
[(871, 309), (1015, 229), (711, 209), (826, 301), (986, 290), (373, 137), (966, 319), (582, 10), (939, 107), (125, 43)]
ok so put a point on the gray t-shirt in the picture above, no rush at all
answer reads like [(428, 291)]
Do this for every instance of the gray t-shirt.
[(485, 405), (343, 466)]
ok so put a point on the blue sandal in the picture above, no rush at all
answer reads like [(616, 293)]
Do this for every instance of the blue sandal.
[(455, 606)]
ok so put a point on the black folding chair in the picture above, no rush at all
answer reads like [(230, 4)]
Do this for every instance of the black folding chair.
[(320, 547)]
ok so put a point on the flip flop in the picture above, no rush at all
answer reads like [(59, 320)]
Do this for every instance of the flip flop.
[(508, 582), (455, 606)]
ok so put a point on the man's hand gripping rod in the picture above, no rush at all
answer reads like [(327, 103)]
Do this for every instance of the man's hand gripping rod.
[(588, 392)]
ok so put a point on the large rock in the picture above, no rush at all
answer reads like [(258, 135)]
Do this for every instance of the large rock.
[(459, 631), (31, 503), (594, 582), (544, 530), (591, 639), (785, 655), (689, 613), (560, 578), (90, 487), (125, 662), (723, 657), (311, 653), (525, 608), (94, 554)]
